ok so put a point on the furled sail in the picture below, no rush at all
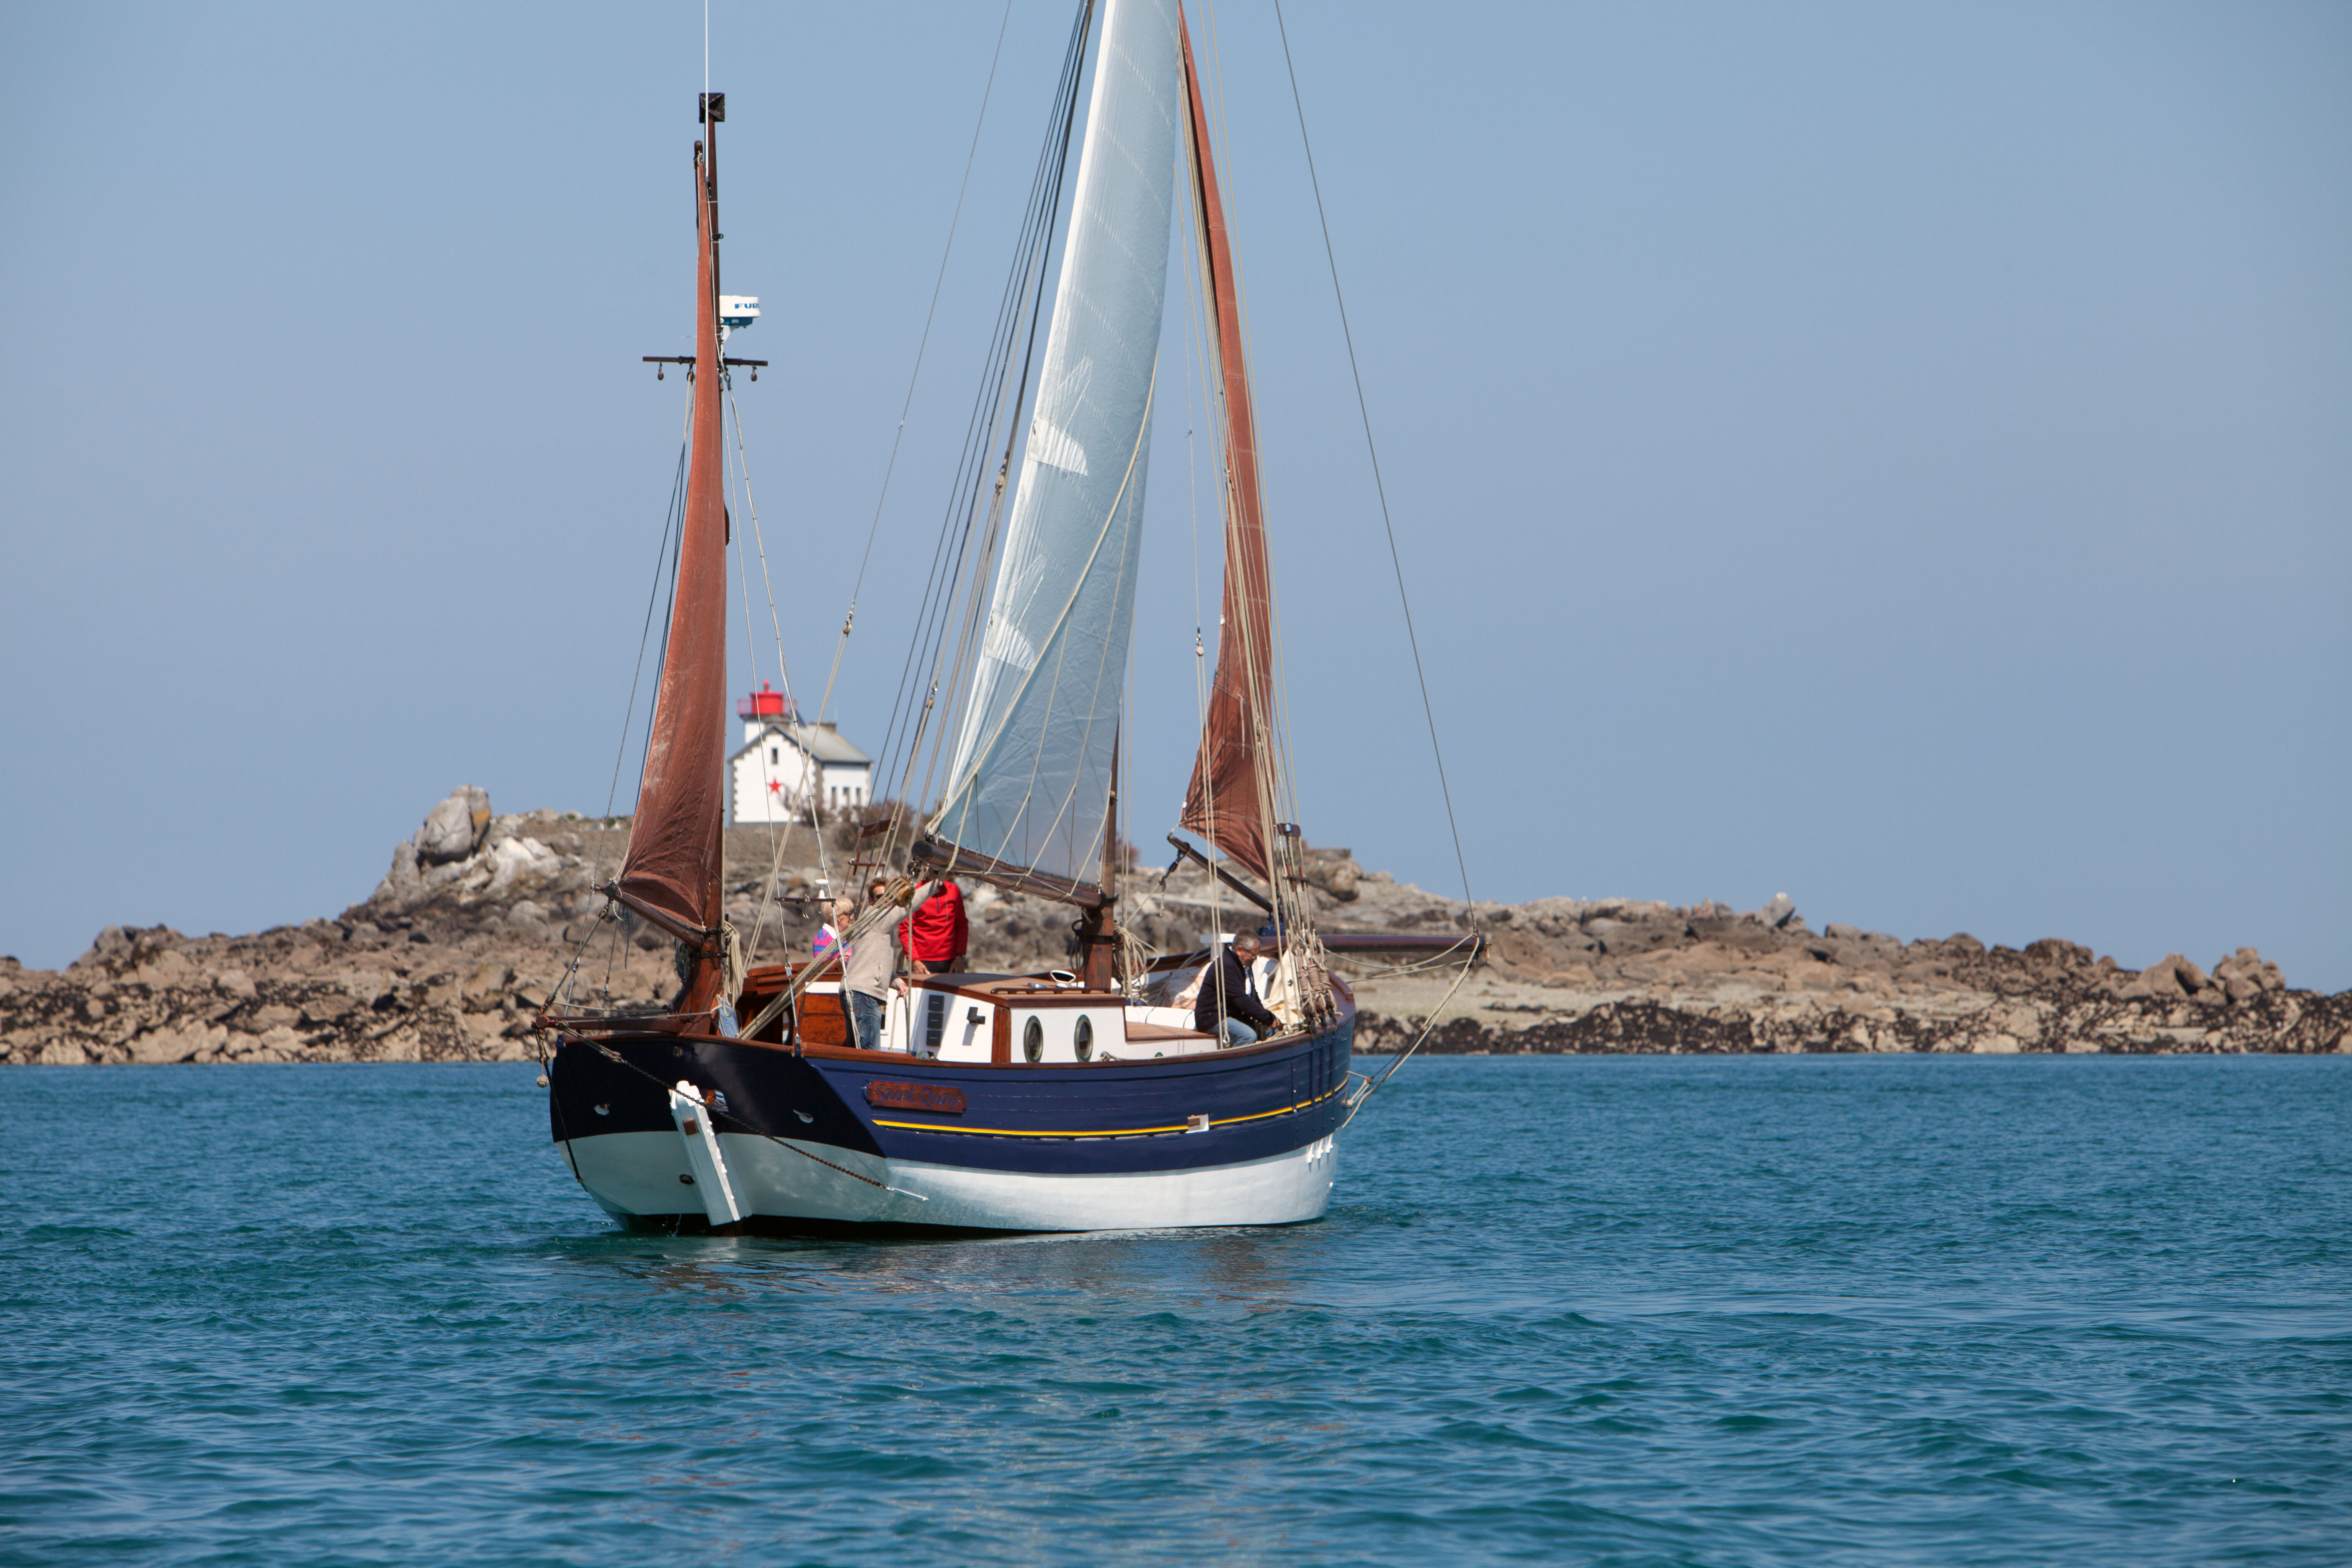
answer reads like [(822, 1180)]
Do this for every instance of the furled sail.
[(1230, 799), (672, 872), (1030, 779)]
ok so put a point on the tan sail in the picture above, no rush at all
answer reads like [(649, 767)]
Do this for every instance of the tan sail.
[(1229, 801), (676, 846)]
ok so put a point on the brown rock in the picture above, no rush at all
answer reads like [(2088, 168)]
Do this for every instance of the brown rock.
[(178, 1045), (456, 969), (2169, 978), (1335, 872), (486, 984), (2244, 975), (170, 967), (279, 1044), (327, 1007)]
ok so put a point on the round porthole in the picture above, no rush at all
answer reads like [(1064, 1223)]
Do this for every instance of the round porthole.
[(1033, 1040), (1083, 1040)]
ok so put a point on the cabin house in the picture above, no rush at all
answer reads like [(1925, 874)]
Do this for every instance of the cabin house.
[(786, 767)]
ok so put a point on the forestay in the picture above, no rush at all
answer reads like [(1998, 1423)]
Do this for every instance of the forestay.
[(1030, 780)]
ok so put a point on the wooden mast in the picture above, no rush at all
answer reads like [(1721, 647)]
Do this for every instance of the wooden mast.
[(1231, 798), (672, 874), (1098, 931)]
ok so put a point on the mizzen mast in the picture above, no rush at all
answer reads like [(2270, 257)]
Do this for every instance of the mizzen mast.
[(1231, 799)]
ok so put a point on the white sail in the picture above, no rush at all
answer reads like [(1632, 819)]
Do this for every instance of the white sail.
[(1030, 781)]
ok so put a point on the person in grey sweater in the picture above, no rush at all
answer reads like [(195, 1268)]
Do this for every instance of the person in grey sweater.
[(870, 959)]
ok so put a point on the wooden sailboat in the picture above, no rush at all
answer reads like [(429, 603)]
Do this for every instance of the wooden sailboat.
[(1063, 1100)]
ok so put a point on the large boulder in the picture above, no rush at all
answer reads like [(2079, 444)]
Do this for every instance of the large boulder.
[(119, 950), (110, 950), (2058, 953), (402, 883), (2172, 978), (453, 828), (2245, 974), (178, 1042), (1335, 872), (524, 858)]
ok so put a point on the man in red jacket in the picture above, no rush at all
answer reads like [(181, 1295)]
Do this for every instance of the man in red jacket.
[(936, 935)]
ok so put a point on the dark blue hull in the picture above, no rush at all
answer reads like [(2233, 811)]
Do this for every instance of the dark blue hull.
[(871, 1117)]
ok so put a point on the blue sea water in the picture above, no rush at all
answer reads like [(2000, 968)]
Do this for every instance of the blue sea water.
[(1581, 1310)]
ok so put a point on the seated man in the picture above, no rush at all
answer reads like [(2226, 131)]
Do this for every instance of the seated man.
[(1229, 1005)]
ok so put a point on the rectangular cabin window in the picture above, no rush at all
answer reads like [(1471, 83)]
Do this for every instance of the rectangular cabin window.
[(775, 755)]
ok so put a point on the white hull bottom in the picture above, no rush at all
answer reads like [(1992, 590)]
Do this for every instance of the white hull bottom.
[(638, 1173)]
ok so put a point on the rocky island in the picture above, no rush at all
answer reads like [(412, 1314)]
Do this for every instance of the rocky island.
[(481, 916)]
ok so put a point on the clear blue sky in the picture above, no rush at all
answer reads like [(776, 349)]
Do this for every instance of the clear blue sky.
[(1897, 455)]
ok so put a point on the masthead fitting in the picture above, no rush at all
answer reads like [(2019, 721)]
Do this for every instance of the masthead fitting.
[(710, 108)]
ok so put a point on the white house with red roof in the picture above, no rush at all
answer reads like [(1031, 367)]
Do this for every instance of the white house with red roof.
[(785, 766)]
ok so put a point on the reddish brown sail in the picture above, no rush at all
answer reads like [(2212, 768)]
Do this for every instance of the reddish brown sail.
[(672, 872), (1228, 802)]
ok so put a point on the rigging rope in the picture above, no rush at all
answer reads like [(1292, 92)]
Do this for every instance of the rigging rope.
[(1373, 1085), (1363, 407), (995, 405), (653, 596), (1396, 560), (670, 538), (915, 376), (1198, 306), (1265, 713), (777, 841)]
